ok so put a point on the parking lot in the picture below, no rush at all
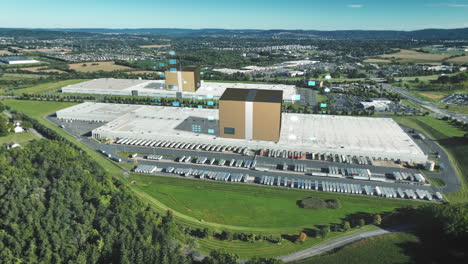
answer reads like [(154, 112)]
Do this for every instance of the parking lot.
[(290, 181)]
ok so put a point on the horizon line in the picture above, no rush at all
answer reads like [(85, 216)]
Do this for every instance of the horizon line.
[(182, 28)]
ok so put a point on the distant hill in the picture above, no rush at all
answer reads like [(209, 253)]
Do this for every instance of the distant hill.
[(424, 34)]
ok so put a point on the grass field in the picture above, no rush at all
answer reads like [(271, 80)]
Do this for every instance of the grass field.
[(20, 138), (458, 109), (18, 76), (321, 97), (99, 66), (377, 250), (451, 139), (47, 87)]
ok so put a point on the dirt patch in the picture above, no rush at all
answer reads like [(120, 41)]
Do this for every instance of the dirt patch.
[(40, 69), (154, 46), (432, 96), (386, 163), (98, 66), (4, 52)]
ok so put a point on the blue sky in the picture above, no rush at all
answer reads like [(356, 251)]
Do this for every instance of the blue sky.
[(235, 14)]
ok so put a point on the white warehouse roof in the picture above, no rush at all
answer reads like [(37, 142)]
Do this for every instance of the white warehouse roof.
[(357, 136), (208, 90)]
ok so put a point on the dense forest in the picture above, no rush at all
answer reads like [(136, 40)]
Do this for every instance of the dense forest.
[(58, 206)]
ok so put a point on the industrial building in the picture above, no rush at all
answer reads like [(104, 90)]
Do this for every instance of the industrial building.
[(17, 60), (378, 138), (377, 104), (250, 114), (157, 88), (183, 79)]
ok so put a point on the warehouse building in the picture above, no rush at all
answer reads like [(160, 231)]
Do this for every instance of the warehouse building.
[(250, 114), (378, 138), (17, 60), (157, 88)]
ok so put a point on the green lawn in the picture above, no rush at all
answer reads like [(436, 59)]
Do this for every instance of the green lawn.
[(47, 87), (437, 182), (451, 139), (20, 138), (321, 98), (385, 249)]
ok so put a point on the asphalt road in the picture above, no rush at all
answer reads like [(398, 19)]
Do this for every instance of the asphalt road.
[(434, 108), (339, 242), (447, 172)]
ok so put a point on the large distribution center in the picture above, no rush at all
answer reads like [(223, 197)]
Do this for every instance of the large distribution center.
[(207, 90), (250, 114), (378, 138)]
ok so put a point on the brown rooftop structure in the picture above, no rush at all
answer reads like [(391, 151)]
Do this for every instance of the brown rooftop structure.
[(251, 114)]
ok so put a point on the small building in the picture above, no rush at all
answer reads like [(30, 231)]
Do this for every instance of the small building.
[(18, 128), (295, 73), (183, 79), (12, 145), (430, 165), (250, 114)]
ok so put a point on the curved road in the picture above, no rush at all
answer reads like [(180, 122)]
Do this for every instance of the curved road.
[(339, 242), (434, 108)]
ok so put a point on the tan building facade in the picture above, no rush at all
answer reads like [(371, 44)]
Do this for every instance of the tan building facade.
[(250, 114), (183, 79)]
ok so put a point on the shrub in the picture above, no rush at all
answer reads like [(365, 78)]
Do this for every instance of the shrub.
[(317, 203), (302, 237), (333, 204)]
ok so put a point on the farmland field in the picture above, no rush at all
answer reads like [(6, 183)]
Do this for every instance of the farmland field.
[(98, 66), (462, 59), (415, 55), (377, 61), (41, 69)]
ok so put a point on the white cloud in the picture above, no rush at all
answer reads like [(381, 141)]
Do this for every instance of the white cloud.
[(456, 5), (355, 6), (451, 4)]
